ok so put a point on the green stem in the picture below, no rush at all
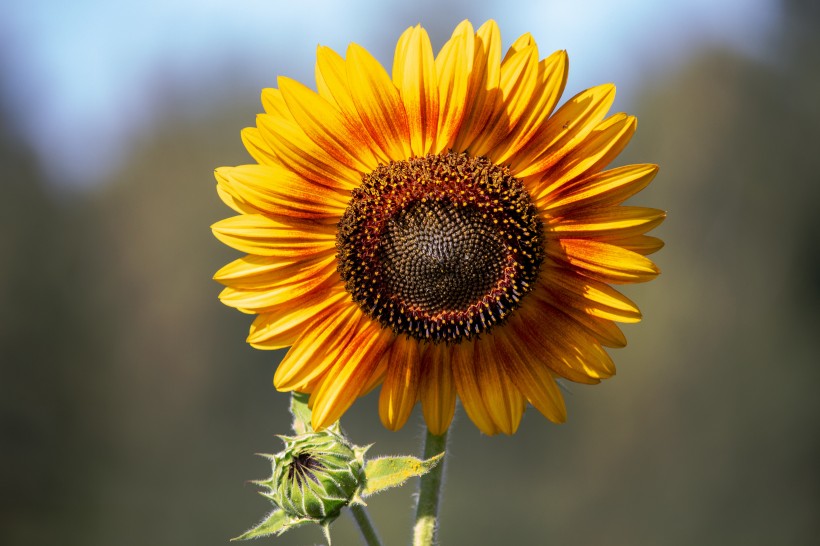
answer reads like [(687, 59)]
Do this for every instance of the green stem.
[(371, 537), (424, 531)]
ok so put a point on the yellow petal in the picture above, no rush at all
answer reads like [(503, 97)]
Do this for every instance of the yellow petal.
[(316, 348), (608, 222), (503, 400), (483, 94), (355, 364), (237, 205), (534, 331), (414, 74), (378, 103), (642, 244), (262, 299), (263, 272), (569, 350), (600, 147), (531, 376), (437, 390), (259, 149), (303, 156), (595, 298), (522, 42), (274, 103), (400, 389), (257, 234), (519, 76), (604, 262), (453, 66), (280, 192), (465, 376), (552, 77), (608, 188), (283, 326), (331, 82), (564, 130), (325, 125)]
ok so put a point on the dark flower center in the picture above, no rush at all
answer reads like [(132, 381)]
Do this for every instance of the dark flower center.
[(440, 248), (303, 467)]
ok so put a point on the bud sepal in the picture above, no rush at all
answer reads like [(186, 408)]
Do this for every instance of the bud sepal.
[(319, 473)]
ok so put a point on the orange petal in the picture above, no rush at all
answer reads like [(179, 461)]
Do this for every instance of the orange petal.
[(605, 331), (280, 192), (467, 385), (570, 342), (377, 377), (613, 222), (564, 130), (437, 390), (596, 151), (604, 262), (552, 77), (316, 348), (531, 376), (355, 363), (595, 298), (325, 125), (483, 94), (258, 234), (453, 68), (559, 350), (604, 189), (503, 400), (378, 103), (518, 79), (414, 74), (283, 326), (298, 153), (400, 388)]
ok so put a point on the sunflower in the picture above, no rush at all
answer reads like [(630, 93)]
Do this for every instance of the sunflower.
[(440, 232)]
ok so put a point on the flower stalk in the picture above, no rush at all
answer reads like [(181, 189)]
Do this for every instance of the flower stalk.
[(424, 531), (368, 530)]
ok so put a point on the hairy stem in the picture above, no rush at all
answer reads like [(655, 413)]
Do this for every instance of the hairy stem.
[(371, 537), (424, 531)]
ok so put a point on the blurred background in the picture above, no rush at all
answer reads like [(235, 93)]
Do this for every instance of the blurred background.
[(131, 407)]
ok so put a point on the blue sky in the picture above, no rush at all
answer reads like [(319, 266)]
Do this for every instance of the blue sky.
[(83, 77)]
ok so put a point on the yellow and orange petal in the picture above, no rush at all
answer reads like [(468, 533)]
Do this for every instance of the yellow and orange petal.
[(336, 187)]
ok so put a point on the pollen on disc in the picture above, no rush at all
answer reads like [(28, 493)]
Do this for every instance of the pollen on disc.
[(440, 248)]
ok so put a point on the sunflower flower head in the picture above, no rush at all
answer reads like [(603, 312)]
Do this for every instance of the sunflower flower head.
[(444, 232)]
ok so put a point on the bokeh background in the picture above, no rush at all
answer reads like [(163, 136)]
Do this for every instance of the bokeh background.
[(130, 406)]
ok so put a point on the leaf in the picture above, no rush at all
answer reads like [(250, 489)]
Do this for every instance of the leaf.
[(387, 472), (276, 523), (301, 412)]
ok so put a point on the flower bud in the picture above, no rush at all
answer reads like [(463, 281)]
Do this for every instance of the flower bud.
[(316, 475)]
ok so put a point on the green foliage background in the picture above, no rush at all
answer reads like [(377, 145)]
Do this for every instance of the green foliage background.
[(130, 406)]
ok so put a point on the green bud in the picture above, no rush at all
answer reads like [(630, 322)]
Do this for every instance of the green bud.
[(316, 475)]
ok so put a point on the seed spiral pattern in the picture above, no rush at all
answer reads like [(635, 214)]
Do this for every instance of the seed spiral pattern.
[(440, 248)]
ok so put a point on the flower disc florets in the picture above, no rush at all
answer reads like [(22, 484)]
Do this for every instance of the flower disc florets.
[(316, 475), (441, 247)]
